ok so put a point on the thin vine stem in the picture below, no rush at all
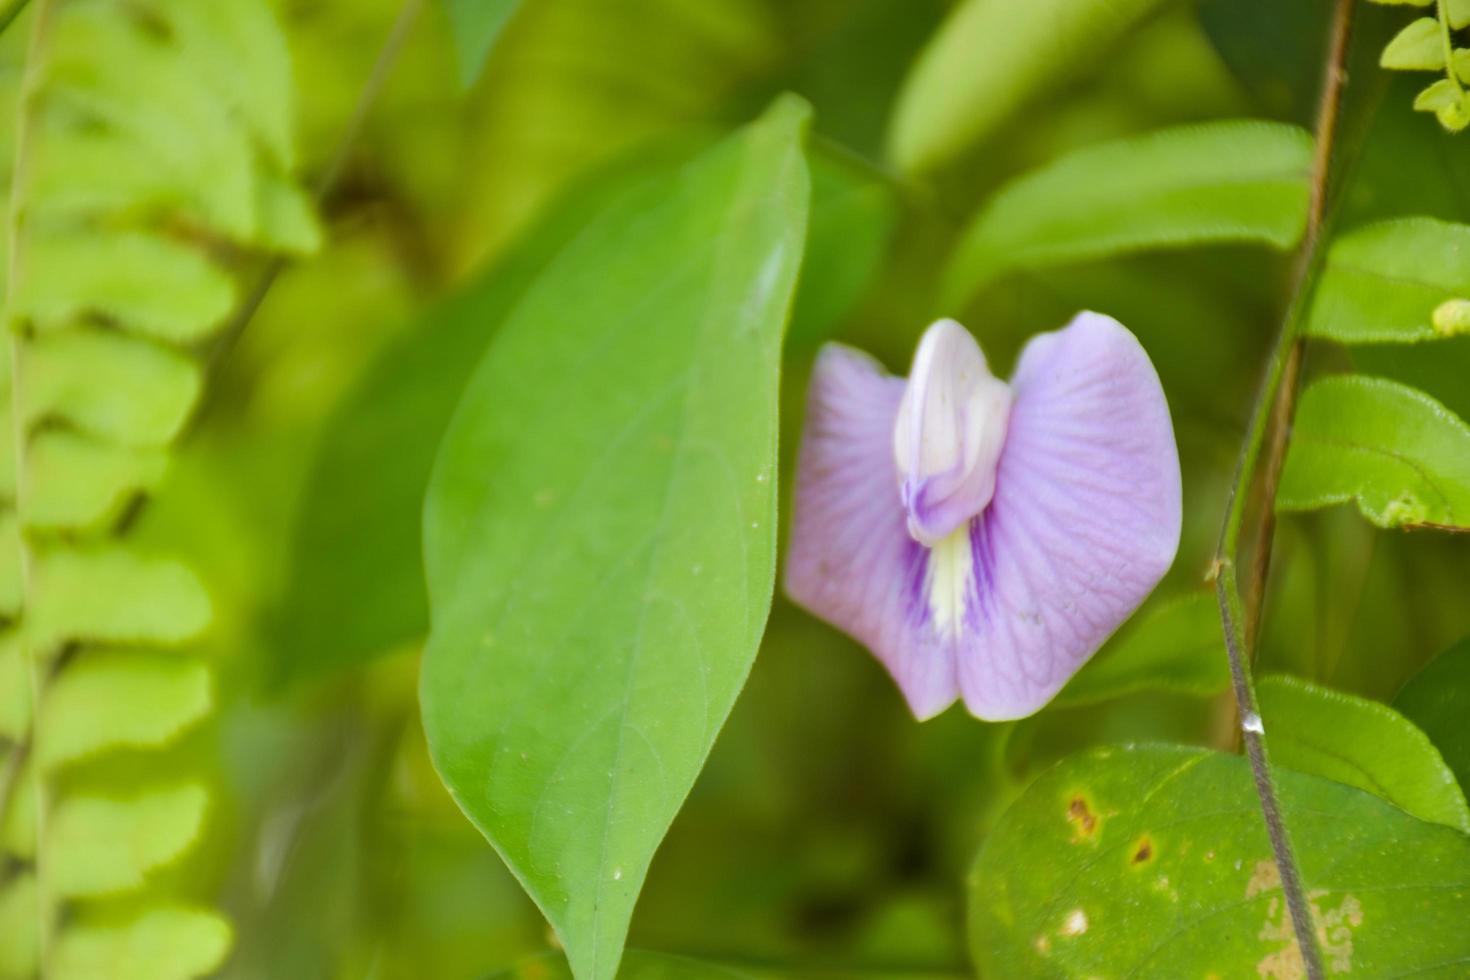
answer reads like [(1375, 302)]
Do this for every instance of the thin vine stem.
[(1271, 417)]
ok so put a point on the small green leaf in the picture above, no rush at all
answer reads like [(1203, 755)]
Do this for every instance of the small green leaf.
[(1400, 455), (1237, 181), (1452, 317), (98, 846), (76, 482), (1459, 13), (1386, 282), (475, 25), (110, 699), (111, 386), (991, 58), (638, 965), (1418, 47), (1437, 699), (1176, 645), (1448, 102), (107, 594), (1154, 862), (156, 286), (599, 531), (170, 943), (18, 925), (1361, 743)]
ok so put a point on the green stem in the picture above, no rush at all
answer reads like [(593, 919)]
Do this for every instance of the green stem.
[(15, 218), (1275, 402), (1446, 39)]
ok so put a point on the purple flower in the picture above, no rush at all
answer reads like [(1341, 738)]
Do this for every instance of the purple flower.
[(984, 539)]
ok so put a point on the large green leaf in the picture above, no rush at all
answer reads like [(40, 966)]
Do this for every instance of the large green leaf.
[(352, 595), (1437, 699), (599, 531), (475, 25), (1361, 743), (1175, 645), (1402, 456), (1154, 862), (992, 57), (1393, 281), (1237, 181)]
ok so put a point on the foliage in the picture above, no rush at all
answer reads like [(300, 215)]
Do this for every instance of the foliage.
[(1170, 837), (636, 434), (138, 159), (399, 582)]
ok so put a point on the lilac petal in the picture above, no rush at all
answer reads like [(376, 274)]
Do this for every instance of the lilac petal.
[(851, 559), (1084, 522), (950, 430)]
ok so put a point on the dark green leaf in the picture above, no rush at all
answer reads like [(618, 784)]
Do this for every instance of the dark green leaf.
[(1402, 456), (599, 530), (1154, 862), (1238, 181), (1361, 743), (1437, 699)]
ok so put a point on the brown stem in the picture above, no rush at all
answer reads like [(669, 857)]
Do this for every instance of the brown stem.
[(1275, 402)]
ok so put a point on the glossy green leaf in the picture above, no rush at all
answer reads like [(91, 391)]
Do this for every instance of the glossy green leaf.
[(475, 25), (110, 699), (599, 530), (1238, 181), (172, 943), (97, 846), (1400, 455), (1361, 743), (1176, 645), (1437, 699), (1154, 862), (991, 58), (637, 965), (1383, 283), (1420, 46)]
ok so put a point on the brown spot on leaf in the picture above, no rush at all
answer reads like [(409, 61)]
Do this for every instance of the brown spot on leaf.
[(1083, 820), (1144, 851)]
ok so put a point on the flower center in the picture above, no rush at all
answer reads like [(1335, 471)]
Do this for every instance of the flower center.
[(949, 434)]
